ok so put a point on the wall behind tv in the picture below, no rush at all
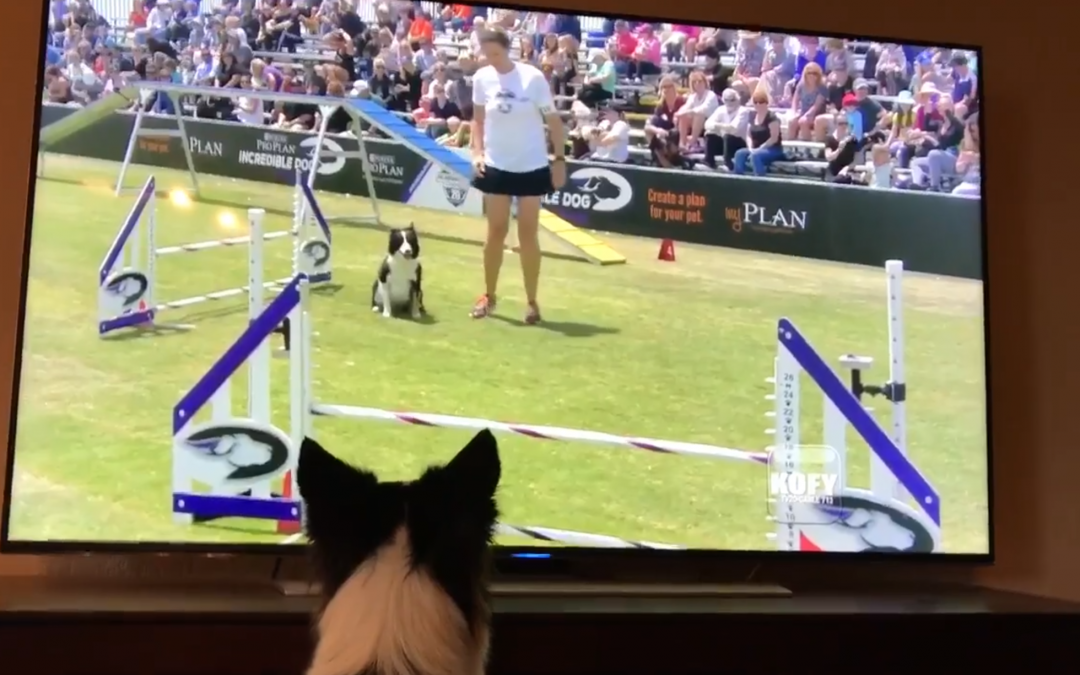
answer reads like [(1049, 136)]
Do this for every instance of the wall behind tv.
[(1033, 203)]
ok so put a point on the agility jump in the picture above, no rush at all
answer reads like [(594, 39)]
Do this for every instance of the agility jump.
[(127, 294), (211, 453)]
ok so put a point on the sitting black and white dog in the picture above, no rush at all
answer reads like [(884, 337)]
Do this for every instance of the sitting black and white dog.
[(397, 289)]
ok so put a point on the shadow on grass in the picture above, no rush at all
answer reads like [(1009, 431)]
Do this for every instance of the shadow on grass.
[(571, 329), (232, 204)]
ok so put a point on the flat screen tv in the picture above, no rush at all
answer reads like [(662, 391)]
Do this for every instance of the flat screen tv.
[(761, 274)]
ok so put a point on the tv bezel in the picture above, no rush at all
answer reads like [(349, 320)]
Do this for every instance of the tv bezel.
[(537, 559)]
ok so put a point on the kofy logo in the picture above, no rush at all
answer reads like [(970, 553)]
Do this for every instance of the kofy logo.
[(765, 219), (593, 189), (331, 160), (235, 455), (316, 254), (124, 293), (454, 187)]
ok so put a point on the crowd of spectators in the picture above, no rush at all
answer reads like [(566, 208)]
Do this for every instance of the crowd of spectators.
[(677, 96)]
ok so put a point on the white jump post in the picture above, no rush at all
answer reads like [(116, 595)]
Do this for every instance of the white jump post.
[(125, 288), (226, 467), (895, 483), (311, 241), (794, 357)]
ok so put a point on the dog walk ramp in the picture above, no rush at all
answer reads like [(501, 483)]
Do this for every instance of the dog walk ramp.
[(567, 236), (85, 116), (579, 241)]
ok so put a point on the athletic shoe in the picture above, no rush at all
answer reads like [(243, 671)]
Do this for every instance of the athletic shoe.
[(484, 306), (532, 315)]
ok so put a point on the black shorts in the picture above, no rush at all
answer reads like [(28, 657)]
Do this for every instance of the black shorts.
[(529, 184)]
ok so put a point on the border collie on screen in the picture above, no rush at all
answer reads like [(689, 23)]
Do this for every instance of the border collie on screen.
[(403, 565), (397, 288)]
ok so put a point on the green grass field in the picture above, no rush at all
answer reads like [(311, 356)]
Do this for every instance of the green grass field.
[(667, 350)]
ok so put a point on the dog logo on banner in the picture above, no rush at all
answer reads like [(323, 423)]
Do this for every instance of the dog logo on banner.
[(235, 455), (863, 522), (315, 259), (123, 293)]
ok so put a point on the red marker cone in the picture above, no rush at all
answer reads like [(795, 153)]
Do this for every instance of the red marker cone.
[(667, 251)]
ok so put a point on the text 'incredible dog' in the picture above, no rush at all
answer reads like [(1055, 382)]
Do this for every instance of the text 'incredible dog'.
[(397, 288), (403, 564)]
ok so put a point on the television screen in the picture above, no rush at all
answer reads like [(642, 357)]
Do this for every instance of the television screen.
[(713, 288)]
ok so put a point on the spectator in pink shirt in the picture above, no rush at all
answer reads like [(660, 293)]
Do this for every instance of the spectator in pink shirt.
[(625, 43), (645, 60), (675, 45)]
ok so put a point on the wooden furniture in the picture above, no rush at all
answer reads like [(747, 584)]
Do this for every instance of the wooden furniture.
[(254, 630)]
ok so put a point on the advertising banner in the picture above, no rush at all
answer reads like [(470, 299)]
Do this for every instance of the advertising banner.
[(931, 233)]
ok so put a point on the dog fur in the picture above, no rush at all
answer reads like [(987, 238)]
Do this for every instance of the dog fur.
[(398, 288), (403, 565)]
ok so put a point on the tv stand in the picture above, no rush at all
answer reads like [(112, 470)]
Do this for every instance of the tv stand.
[(248, 628)]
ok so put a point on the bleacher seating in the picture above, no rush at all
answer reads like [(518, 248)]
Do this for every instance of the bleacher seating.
[(635, 96)]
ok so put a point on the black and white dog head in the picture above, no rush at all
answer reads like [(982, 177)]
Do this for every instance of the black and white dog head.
[(403, 564), (404, 243)]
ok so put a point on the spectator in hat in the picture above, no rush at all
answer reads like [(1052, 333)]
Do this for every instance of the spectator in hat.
[(872, 113), (725, 130), (763, 144), (749, 60), (940, 159), (841, 146), (645, 61), (902, 122)]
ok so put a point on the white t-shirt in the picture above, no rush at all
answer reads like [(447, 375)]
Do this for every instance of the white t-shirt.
[(157, 18), (514, 106), (254, 117), (619, 151)]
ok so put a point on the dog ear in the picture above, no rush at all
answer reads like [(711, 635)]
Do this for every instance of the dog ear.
[(320, 474), (333, 490), (476, 469)]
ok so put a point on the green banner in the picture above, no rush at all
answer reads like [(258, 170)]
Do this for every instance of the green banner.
[(261, 154), (938, 234)]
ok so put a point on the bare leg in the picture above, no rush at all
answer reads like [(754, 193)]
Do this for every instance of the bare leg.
[(498, 217), (528, 217)]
